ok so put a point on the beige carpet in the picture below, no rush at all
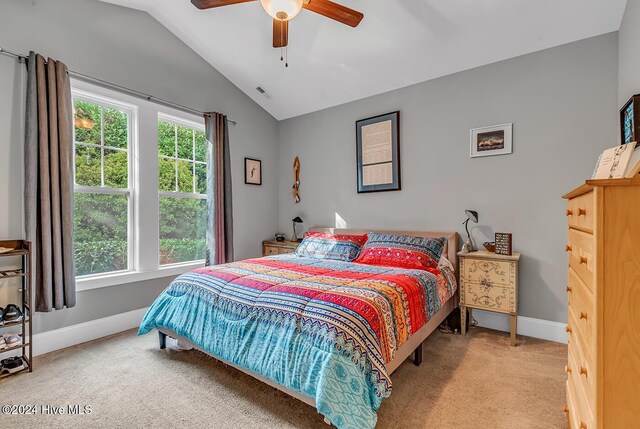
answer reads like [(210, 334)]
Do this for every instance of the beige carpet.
[(478, 381)]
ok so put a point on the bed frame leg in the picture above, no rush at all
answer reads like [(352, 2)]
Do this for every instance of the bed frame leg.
[(417, 358), (163, 340)]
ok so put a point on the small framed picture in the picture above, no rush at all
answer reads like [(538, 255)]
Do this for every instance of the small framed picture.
[(252, 171), (630, 120), (494, 140), (504, 243)]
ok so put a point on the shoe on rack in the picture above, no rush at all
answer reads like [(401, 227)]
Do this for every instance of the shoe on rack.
[(12, 313), (1, 316), (10, 340), (3, 343), (12, 364)]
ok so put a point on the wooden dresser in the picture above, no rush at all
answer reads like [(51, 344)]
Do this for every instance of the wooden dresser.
[(603, 368), (272, 247)]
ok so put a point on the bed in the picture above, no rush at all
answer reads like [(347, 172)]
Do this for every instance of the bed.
[(329, 333)]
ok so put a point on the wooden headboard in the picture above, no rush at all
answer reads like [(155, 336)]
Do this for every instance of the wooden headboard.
[(450, 250)]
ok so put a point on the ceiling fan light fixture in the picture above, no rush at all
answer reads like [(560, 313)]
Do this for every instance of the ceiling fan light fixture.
[(282, 10)]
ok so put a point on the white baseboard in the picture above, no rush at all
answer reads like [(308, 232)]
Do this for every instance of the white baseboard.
[(68, 336), (530, 327)]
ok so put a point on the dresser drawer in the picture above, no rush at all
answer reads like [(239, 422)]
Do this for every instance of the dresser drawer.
[(284, 250), (582, 307), (581, 212), (494, 297), (490, 272), (270, 250), (577, 409), (582, 373), (581, 250)]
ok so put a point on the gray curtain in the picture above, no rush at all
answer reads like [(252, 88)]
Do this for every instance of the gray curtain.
[(219, 207), (48, 191)]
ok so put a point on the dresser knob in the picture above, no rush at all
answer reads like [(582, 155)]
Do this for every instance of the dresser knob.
[(583, 371), (582, 212), (568, 329), (583, 315), (583, 260), (567, 369), (583, 425), (569, 289), (567, 248), (565, 408), (569, 212)]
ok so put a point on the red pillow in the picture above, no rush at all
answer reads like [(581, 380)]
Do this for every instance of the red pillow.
[(402, 251)]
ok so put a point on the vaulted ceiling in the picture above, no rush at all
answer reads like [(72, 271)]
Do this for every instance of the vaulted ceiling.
[(399, 43)]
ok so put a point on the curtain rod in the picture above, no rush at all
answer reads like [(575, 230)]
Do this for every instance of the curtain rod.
[(120, 88)]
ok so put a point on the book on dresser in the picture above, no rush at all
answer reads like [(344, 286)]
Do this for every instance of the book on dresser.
[(603, 365)]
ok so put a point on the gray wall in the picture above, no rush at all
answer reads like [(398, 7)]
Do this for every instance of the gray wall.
[(628, 58), (562, 103), (132, 49)]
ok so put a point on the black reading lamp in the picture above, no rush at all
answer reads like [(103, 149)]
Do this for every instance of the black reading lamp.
[(472, 215), (295, 220)]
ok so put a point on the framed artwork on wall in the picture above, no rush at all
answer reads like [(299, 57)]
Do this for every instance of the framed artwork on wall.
[(489, 141), (252, 171), (630, 120), (378, 153)]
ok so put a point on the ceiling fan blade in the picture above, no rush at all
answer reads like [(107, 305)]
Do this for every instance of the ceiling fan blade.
[(280, 33), (208, 4), (335, 11)]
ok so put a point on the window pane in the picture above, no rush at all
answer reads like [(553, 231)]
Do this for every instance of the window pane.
[(185, 176), (185, 143), (100, 234), (115, 128), (88, 166), (116, 169), (87, 122), (201, 178), (182, 229), (166, 174), (201, 147), (166, 139)]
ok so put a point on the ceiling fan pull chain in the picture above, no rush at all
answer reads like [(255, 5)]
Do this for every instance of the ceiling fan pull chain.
[(286, 54)]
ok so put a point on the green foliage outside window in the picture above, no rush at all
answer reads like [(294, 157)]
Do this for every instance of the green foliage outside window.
[(101, 220)]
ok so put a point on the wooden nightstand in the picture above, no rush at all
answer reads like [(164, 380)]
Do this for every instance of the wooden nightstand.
[(489, 282), (272, 247)]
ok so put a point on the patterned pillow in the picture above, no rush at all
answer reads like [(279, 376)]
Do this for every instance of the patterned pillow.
[(323, 245), (402, 251)]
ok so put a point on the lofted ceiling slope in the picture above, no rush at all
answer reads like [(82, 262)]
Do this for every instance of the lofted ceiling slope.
[(399, 43)]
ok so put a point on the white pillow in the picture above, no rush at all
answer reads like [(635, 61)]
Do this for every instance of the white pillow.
[(444, 262)]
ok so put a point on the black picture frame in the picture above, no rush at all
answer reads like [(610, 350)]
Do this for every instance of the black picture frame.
[(630, 120), (247, 179), (395, 183)]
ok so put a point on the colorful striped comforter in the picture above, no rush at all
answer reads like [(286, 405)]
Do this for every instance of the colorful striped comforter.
[(319, 327)]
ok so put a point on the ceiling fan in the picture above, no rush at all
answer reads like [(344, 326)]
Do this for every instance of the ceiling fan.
[(282, 11)]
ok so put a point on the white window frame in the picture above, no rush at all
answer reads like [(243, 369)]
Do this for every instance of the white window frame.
[(180, 121), (132, 113), (143, 187)]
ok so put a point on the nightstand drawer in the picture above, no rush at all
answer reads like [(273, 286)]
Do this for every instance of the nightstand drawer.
[(490, 272), (492, 297), (284, 250), (271, 250), (581, 252), (581, 212)]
